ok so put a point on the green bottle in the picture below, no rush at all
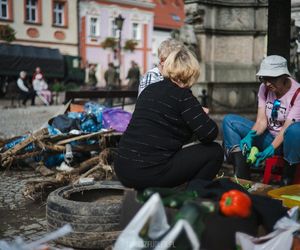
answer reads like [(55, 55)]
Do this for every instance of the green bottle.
[(148, 192), (176, 200), (194, 213)]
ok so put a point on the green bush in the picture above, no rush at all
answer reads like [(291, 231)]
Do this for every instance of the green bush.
[(71, 86), (57, 87)]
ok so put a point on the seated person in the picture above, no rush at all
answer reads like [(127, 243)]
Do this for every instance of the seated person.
[(41, 88), (276, 129), (26, 91), (166, 116)]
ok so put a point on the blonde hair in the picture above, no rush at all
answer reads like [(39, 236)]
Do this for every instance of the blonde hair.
[(166, 47), (182, 67)]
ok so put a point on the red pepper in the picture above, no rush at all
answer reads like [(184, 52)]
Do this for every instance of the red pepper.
[(235, 203)]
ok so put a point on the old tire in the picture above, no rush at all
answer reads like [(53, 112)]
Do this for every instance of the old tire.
[(92, 210)]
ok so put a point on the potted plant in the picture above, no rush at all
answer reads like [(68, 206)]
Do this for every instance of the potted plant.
[(7, 33), (109, 42), (130, 45)]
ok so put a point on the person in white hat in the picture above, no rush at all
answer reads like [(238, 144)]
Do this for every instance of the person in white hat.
[(277, 126)]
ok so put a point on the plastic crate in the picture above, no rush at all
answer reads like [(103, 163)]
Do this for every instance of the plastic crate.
[(287, 190), (273, 163)]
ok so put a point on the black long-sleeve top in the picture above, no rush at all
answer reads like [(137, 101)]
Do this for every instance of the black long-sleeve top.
[(165, 118)]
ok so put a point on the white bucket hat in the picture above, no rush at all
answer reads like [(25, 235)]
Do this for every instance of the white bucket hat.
[(273, 66)]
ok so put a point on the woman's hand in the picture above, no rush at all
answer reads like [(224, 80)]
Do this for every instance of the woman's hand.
[(268, 152), (206, 110), (246, 142)]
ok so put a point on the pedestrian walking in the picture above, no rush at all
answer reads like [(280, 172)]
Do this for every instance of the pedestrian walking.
[(112, 81), (133, 76)]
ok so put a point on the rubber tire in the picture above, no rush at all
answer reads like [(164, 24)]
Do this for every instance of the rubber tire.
[(95, 224)]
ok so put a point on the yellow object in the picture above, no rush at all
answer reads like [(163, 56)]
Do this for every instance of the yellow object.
[(287, 190), (252, 155)]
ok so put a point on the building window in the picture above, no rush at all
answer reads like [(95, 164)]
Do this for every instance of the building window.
[(136, 31), (94, 26), (4, 9), (58, 13), (176, 18), (31, 11)]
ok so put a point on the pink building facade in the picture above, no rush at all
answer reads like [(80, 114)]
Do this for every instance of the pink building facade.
[(97, 23)]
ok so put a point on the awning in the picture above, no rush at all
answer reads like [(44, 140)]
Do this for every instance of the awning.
[(15, 58)]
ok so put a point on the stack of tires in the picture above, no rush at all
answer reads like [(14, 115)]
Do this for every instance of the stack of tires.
[(93, 211)]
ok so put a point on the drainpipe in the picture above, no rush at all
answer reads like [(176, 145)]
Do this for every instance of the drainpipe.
[(78, 26)]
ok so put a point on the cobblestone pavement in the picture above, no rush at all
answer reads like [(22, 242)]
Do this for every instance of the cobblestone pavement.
[(17, 121), (20, 216)]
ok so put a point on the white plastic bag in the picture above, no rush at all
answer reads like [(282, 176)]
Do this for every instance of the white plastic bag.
[(281, 238), (181, 225), (152, 211)]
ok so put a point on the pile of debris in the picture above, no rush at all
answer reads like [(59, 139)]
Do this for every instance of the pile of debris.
[(64, 153)]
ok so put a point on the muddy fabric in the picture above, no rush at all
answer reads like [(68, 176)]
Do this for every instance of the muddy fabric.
[(65, 124)]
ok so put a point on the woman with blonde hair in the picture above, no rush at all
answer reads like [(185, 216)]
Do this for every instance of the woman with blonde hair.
[(155, 74), (166, 116)]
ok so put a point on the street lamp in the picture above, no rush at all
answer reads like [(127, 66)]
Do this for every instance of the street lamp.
[(119, 24)]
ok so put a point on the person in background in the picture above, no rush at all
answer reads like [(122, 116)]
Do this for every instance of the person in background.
[(37, 72), (111, 77), (41, 88), (154, 75), (133, 76), (277, 126), (166, 115), (26, 91), (92, 79), (112, 81)]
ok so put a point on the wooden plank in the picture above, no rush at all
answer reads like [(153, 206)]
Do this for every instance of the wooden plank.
[(87, 94), (81, 137)]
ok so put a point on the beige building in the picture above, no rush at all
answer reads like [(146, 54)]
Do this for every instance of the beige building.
[(43, 23)]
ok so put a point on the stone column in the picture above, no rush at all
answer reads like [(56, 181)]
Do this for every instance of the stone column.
[(232, 41)]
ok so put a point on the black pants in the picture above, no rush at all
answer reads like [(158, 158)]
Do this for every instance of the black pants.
[(28, 95), (193, 162)]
